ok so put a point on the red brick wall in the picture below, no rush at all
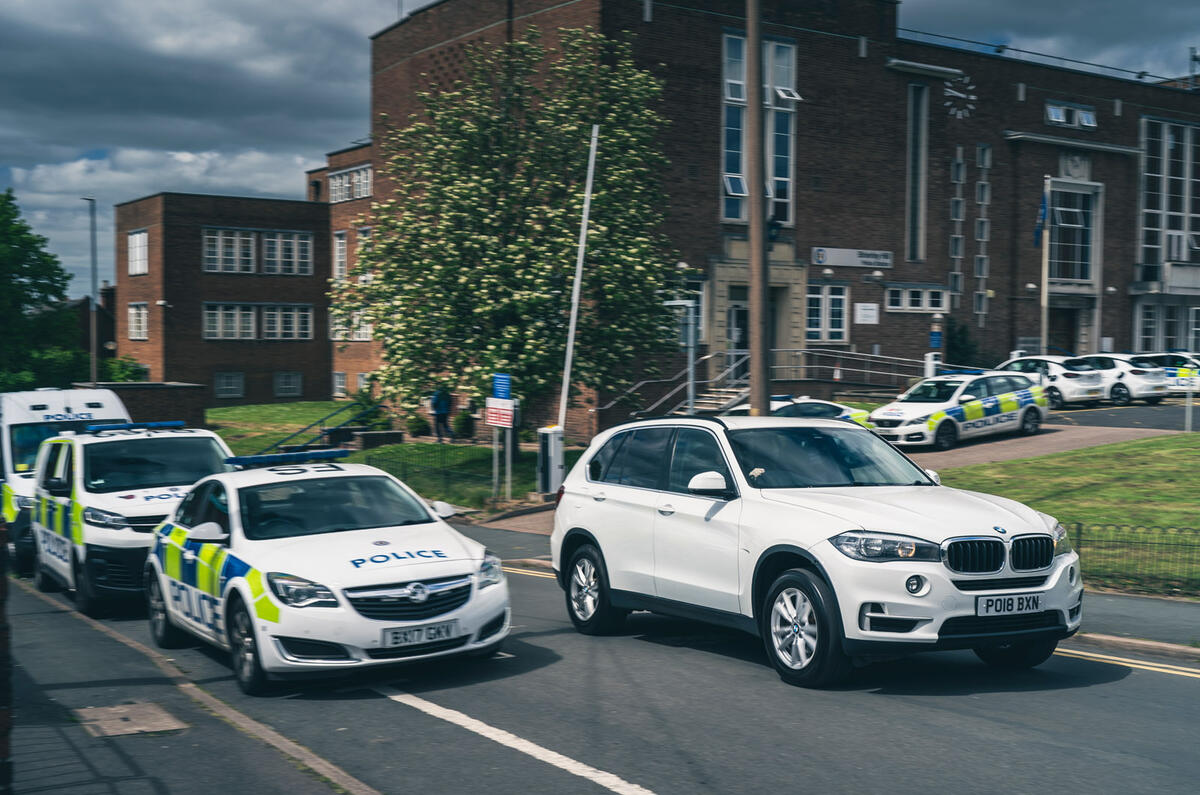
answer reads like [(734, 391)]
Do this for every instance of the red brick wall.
[(155, 402)]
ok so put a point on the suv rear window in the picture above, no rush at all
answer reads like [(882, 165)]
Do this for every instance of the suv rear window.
[(641, 460)]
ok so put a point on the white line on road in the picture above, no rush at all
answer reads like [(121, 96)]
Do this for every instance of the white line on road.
[(607, 780)]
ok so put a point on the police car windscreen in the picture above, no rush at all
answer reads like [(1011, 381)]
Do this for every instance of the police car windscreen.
[(26, 438), (799, 458), (128, 464), (326, 505), (931, 392)]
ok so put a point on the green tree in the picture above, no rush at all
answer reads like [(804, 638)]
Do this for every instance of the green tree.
[(41, 345), (471, 258)]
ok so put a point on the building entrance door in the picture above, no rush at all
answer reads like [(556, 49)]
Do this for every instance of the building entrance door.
[(1063, 334)]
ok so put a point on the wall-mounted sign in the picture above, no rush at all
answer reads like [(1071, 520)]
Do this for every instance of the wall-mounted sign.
[(866, 314), (851, 258)]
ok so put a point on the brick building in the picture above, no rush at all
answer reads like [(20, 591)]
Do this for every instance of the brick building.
[(228, 292)]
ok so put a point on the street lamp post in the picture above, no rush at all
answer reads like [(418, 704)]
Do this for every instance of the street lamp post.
[(92, 297)]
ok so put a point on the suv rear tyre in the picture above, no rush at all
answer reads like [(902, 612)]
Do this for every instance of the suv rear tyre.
[(588, 602), (1028, 654), (802, 631)]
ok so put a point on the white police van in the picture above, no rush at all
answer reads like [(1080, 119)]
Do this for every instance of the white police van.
[(306, 568), (26, 419), (941, 410), (99, 495)]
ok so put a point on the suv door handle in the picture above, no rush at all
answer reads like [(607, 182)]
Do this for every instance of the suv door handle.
[(666, 510), (599, 496)]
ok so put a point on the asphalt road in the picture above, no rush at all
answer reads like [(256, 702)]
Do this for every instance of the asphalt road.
[(1166, 416), (675, 706)]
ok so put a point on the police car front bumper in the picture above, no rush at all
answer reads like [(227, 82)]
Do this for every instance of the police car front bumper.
[(916, 434), (315, 639), (880, 616)]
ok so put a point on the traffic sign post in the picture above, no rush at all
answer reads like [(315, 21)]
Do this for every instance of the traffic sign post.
[(500, 411)]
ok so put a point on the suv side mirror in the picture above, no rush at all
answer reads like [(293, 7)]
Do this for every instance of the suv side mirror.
[(710, 484), (208, 532), (58, 487), (934, 476)]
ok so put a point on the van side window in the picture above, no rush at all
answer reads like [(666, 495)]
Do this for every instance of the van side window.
[(47, 471), (641, 460)]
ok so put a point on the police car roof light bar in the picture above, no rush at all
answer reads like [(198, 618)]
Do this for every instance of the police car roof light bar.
[(128, 426), (285, 458)]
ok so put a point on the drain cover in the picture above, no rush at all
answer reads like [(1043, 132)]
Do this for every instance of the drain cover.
[(136, 718)]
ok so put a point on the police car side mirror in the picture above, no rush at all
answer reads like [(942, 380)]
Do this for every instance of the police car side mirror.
[(58, 487), (967, 398), (710, 484), (443, 510), (934, 476), (209, 532)]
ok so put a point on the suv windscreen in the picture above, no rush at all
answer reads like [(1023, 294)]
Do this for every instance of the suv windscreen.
[(127, 464), (931, 392), (797, 458), (26, 438), (326, 505)]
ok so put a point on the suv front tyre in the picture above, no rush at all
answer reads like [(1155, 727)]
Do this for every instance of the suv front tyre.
[(802, 631), (587, 591)]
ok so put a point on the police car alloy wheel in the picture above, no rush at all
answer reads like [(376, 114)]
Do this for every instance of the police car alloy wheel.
[(247, 668), (166, 635), (1017, 655), (1030, 422), (946, 436), (588, 601)]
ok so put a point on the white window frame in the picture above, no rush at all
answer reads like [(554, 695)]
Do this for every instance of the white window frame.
[(983, 156), (983, 229), (899, 298), (981, 302), (288, 383), (339, 384), (340, 268), (138, 315), (350, 184), (827, 328), (229, 321), (287, 253), (1170, 192), (1071, 222), (229, 384), (228, 250), (287, 322), (981, 266), (361, 381), (138, 252), (917, 172), (957, 208), (983, 192)]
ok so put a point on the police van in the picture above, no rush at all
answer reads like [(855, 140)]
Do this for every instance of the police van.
[(98, 496), (1182, 370), (941, 410), (26, 419), (302, 568)]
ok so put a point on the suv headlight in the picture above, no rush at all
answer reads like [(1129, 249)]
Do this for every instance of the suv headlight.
[(104, 518), (1062, 540), (882, 547), (490, 572), (299, 592)]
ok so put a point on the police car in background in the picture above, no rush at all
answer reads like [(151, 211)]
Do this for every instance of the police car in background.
[(941, 410), (804, 406), (26, 419), (1126, 377), (1182, 370), (1067, 379), (310, 568), (100, 494)]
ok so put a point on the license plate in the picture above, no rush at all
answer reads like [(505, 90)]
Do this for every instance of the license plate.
[(409, 636), (1160, 389), (1011, 605), (1093, 392)]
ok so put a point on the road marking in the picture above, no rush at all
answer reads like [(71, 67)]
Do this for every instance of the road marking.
[(529, 573), (240, 720), (607, 780), (1144, 665)]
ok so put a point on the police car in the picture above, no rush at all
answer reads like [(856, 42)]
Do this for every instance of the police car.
[(1182, 370), (26, 419), (814, 535), (100, 494), (305, 568), (941, 410), (805, 406)]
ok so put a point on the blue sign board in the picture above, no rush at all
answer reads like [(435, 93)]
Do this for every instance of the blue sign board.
[(935, 340), (502, 386)]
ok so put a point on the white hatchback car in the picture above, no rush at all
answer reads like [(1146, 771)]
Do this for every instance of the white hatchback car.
[(1067, 379), (1126, 377), (814, 535)]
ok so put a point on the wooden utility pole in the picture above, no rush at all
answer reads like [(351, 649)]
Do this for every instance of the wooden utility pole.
[(760, 382)]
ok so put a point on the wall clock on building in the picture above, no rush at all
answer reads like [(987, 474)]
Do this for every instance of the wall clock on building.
[(959, 96)]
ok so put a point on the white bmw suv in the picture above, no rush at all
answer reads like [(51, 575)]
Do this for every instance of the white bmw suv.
[(816, 536)]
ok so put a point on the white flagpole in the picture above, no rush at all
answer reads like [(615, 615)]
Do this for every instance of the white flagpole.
[(587, 206), (1046, 224)]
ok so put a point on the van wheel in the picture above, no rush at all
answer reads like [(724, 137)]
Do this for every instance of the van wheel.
[(166, 635), (945, 437), (247, 665), (24, 562), (43, 580), (802, 631), (1031, 422), (86, 600), (1029, 654), (588, 602)]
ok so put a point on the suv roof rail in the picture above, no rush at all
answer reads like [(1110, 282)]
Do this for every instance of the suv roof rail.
[(129, 426), (676, 418), (303, 457)]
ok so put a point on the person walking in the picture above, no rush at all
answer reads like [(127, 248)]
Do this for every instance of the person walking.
[(440, 406)]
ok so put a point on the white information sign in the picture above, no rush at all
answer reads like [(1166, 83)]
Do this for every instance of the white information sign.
[(866, 314), (851, 258), (499, 412)]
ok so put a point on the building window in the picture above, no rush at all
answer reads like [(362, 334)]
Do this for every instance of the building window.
[(983, 192), (958, 172), (360, 331), (228, 251), (895, 299), (956, 246), (983, 156), (915, 299), (139, 321), (1148, 328), (363, 382), (229, 321), (137, 253), (918, 155), (956, 209), (288, 384), (779, 96), (1070, 235), (351, 184), (826, 314), (339, 385), (981, 303), (287, 322), (287, 253), (1060, 114), (955, 282), (1170, 324), (339, 255), (229, 385), (1171, 195), (983, 229), (981, 266)]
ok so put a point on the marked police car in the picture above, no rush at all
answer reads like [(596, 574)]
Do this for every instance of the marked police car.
[(804, 406), (941, 410), (310, 568), (100, 494), (814, 535), (1182, 370), (26, 419)]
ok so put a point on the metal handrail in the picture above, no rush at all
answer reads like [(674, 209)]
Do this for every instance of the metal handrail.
[(737, 363), (641, 384), (321, 422)]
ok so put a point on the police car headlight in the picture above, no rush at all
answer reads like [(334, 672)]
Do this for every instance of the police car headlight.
[(490, 572), (299, 592), (881, 547), (919, 420), (25, 503), (104, 518), (1062, 540)]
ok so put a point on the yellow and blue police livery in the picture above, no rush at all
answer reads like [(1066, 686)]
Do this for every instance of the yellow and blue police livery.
[(98, 496), (303, 567), (1182, 370), (941, 410)]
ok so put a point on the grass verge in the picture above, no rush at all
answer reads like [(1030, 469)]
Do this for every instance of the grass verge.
[(248, 429)]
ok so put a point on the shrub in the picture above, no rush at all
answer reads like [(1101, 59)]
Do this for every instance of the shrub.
[(416, 425), (463, 425)]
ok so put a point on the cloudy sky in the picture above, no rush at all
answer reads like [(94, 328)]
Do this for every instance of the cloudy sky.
[(124, 98)]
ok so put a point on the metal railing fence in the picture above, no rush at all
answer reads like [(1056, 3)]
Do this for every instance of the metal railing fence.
[(1139, 559)]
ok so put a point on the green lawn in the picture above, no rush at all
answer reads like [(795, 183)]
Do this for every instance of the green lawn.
[(248, 429)]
